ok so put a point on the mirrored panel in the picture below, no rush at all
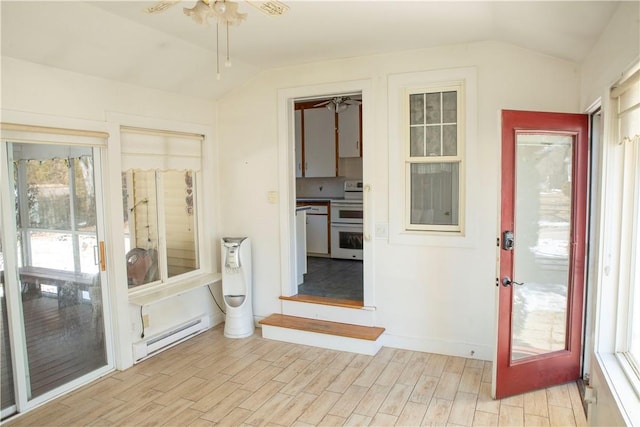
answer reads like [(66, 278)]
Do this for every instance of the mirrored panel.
[(159, 204)]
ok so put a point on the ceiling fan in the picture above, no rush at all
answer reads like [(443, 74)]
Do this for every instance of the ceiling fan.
[(270, 7), (225, 13), (339, 103)]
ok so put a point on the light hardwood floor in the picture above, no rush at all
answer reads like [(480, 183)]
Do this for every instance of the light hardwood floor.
[(213, 380)]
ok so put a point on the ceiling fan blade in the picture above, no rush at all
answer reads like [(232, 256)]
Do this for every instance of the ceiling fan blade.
[(270, 7), (323, 103), (161, 6)]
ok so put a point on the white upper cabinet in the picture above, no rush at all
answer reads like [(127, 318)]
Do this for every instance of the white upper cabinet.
[(349, 138), (319, 143)]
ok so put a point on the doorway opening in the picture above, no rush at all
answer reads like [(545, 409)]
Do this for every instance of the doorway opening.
[(329, 194)]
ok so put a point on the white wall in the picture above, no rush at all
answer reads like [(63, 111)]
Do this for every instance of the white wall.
[(438, 299), (613, 53), (40, 95)]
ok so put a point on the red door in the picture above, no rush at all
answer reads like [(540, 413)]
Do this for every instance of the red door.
[(542, 250)]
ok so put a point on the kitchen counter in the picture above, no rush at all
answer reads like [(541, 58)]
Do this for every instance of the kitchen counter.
[(327, 200), (317, 199)]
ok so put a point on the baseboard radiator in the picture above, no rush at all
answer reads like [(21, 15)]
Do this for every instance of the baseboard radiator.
[(167, 339)]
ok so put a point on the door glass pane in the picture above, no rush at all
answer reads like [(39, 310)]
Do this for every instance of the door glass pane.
[(542, 243), (6, 368), (58, 273)]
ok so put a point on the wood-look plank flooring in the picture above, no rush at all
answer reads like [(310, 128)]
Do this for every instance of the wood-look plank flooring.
[(213, 380)]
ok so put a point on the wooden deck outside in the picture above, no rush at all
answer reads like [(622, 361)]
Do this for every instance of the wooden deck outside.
[(64, 340)]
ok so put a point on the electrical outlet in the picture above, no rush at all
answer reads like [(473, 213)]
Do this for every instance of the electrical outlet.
[(145, 320)]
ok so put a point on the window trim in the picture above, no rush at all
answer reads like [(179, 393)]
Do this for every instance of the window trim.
[(398, 84), (163, 268), (202, 202), (629, 215), (612, 309)]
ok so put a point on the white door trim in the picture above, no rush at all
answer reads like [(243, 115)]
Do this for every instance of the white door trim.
[(286, 178)]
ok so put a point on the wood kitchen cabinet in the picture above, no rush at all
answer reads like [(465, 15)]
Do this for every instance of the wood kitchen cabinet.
[(319, 128), (318, 229), (297, 116), (322, 136), (350, 132)]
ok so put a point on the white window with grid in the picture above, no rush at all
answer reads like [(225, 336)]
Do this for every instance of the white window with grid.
[(434, 158), (433, 182)]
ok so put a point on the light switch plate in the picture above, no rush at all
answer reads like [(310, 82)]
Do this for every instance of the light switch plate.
[(272, 197), (382, 230)]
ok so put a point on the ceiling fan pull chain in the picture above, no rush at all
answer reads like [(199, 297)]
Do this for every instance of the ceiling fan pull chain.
[(227, 63), (217, 52)]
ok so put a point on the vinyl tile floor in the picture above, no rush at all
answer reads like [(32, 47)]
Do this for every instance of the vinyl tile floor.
[(212, 380), (334, 278)]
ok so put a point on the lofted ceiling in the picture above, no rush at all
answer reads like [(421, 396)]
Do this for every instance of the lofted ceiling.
[(117, 40)]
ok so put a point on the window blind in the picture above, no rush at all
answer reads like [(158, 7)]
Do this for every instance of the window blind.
[(50, 135), (149, 149)]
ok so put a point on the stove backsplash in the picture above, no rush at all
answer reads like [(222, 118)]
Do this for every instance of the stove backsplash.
[(330, 188)]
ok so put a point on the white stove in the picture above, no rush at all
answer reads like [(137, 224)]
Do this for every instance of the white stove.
[(353, 190), (346, 222)]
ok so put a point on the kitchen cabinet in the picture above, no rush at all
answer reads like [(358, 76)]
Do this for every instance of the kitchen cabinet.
[(319, 129), (297, 115), (318, 229), (349, 132)]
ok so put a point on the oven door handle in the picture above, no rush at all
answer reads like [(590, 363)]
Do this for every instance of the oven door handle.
[(346, 224), (365, 209)]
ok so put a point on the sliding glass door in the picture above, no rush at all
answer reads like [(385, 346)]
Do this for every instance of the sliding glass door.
[(53, 275)]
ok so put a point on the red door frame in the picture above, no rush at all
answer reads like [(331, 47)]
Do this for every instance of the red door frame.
[(561, 366)]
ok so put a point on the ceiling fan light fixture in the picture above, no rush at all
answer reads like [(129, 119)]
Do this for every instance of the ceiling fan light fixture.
[(220, 7), (337, 106), (224, 12), (341, 107)]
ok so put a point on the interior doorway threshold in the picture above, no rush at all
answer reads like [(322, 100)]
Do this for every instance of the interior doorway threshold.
[(336, 302)]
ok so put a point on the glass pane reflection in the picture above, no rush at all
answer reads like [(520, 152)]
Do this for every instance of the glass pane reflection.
[(59, 283), (542, 243)]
